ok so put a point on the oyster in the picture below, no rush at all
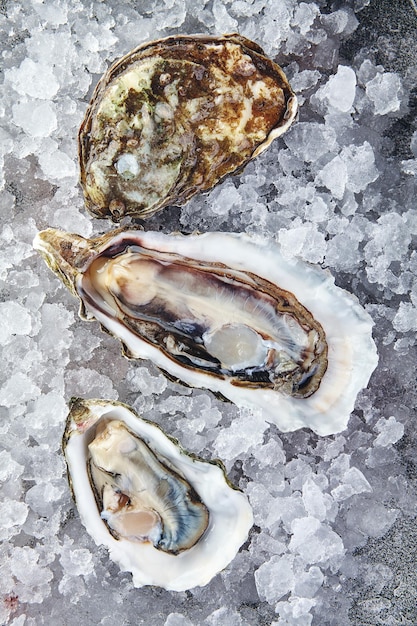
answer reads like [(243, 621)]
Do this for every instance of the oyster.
[(225, 312), (173, 117), (170, 518)]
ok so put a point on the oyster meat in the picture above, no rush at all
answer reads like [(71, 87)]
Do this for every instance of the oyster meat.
[(170, 518), (173, 117), (226, 312)]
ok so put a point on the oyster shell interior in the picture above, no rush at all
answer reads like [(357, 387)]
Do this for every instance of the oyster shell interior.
[(171, 519), (140, 497), (227, 323), (173, 117), (229, 313)]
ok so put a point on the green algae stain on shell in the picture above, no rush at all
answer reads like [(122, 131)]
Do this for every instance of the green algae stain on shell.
[(173, 117)]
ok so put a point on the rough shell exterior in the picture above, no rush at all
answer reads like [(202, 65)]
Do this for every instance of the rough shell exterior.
[(173, 117)]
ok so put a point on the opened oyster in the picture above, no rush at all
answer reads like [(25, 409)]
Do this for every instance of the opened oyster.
[(173, 117), (171, 519), (225, 312)]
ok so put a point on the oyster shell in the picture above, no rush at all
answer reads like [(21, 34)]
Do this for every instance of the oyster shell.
[(173, 117), (226, 312), (170, 518)]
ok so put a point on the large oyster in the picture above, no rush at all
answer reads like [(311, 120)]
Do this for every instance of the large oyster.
[(173, 117), (226, 312), (170, 518)]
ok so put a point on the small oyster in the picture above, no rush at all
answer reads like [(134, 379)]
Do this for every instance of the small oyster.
[(170, 518), (173, 117), (225, 312)]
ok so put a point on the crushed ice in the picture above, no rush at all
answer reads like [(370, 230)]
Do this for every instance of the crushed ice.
[(333, 191)]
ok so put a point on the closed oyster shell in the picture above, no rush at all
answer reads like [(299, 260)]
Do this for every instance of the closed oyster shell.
[(173, 117), (144, 474), (229, 313)]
